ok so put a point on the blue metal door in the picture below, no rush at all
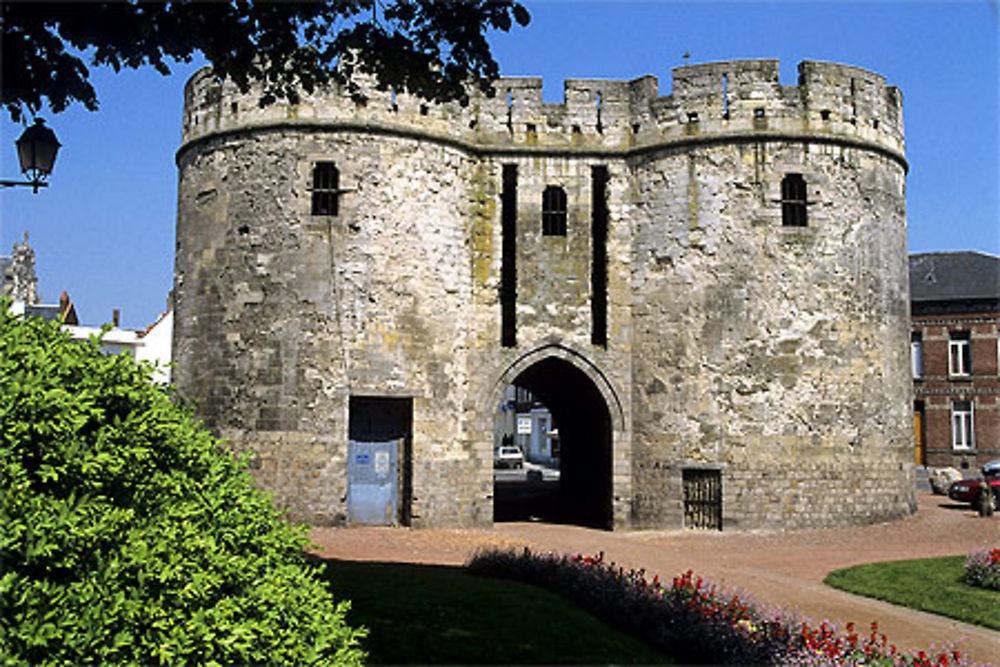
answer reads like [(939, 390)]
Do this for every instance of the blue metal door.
[(372, 482)]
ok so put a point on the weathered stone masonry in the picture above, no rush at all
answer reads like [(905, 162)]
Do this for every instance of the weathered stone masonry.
[(773, 354)]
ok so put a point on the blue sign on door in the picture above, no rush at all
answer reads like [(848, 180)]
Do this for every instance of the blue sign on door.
[(372, 482)]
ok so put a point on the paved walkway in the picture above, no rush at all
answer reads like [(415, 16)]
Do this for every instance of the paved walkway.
[(783, 569)]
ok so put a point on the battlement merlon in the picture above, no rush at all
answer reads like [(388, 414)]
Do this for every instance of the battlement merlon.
[(739, 99)]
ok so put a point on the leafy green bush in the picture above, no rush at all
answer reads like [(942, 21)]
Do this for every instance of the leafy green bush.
[(128, 535)]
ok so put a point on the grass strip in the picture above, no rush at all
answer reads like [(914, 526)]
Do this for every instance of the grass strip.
[(928, 584), (432, 614)]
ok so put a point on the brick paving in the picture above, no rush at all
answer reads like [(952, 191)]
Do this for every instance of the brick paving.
[(783, 569)]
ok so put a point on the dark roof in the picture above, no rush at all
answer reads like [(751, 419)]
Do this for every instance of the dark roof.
[(947, 276), (46, 311), (64, 311)]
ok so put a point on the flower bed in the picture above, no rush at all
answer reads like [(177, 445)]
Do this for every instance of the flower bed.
[(982, 569), (693, 620)]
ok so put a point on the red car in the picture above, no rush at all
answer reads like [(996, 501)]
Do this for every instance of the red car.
[(967, 490)]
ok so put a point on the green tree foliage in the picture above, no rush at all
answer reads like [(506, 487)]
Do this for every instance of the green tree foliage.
[(428, 47), (128, 536)]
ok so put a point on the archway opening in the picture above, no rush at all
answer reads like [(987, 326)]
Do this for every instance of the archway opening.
[(576, 446)]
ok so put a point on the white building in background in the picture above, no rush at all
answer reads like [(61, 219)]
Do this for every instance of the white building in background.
[(157, 344), (19, 282), (525, 422), (152, 345), (543, 440)]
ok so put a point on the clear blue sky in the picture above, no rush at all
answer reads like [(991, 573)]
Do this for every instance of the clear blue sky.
[(104, 230)]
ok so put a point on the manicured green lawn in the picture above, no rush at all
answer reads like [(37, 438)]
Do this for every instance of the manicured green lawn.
[(435, 615), (930, 584)]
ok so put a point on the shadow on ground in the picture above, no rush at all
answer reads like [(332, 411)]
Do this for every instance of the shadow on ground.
[(540, 501)]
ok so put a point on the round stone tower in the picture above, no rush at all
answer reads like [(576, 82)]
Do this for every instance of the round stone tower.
[(707, 290)]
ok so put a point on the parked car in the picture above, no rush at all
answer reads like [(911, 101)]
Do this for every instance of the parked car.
[(508, 457), (968, 490)]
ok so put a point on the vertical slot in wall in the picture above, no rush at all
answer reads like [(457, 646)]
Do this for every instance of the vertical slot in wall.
[(508, 261), (599, 261)]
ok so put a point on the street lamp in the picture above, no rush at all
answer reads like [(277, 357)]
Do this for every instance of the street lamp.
[(36, 151)]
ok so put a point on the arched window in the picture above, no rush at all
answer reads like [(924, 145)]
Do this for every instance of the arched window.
[(325, 189), (554, 211), (793, 201)]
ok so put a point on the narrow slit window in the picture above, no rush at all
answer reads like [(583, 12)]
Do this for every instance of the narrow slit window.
[(325, 189), (725, 96), (599, 260), (508, 261), (793, 201), (600, 125), (510, 110), (554, 211)]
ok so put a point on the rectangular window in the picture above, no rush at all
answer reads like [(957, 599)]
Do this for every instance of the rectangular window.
[(917, 354), (554, 211), (793, 201), (962, 433), (599, 260), (325, 189), (959, 354), (508, 260)]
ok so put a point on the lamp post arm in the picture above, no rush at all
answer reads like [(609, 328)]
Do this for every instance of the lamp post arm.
[(34, 185)]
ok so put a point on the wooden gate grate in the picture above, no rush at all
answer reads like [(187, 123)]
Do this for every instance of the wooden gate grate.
[(702, 499)]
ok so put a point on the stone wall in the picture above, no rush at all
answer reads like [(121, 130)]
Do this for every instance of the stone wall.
[(776, 355), (760, 346), (18, 281)]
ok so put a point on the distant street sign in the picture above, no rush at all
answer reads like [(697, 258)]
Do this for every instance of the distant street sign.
[(523, 425)]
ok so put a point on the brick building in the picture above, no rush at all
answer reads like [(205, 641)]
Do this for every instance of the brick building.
[(955, 345)]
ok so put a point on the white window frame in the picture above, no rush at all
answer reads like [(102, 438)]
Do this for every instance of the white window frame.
[(960, 354), (917, 356), (963, 427)]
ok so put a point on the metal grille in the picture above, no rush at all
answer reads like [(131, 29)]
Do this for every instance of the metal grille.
[(703, 499), (325, 189), (793, 201)]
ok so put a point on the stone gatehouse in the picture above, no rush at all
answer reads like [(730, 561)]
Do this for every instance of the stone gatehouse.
[(707, 289)]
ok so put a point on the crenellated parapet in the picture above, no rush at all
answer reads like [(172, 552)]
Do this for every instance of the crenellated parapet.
[(740, 100), (707, 289)]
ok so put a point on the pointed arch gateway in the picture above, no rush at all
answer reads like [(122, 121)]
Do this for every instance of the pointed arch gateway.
[(587, 413)]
